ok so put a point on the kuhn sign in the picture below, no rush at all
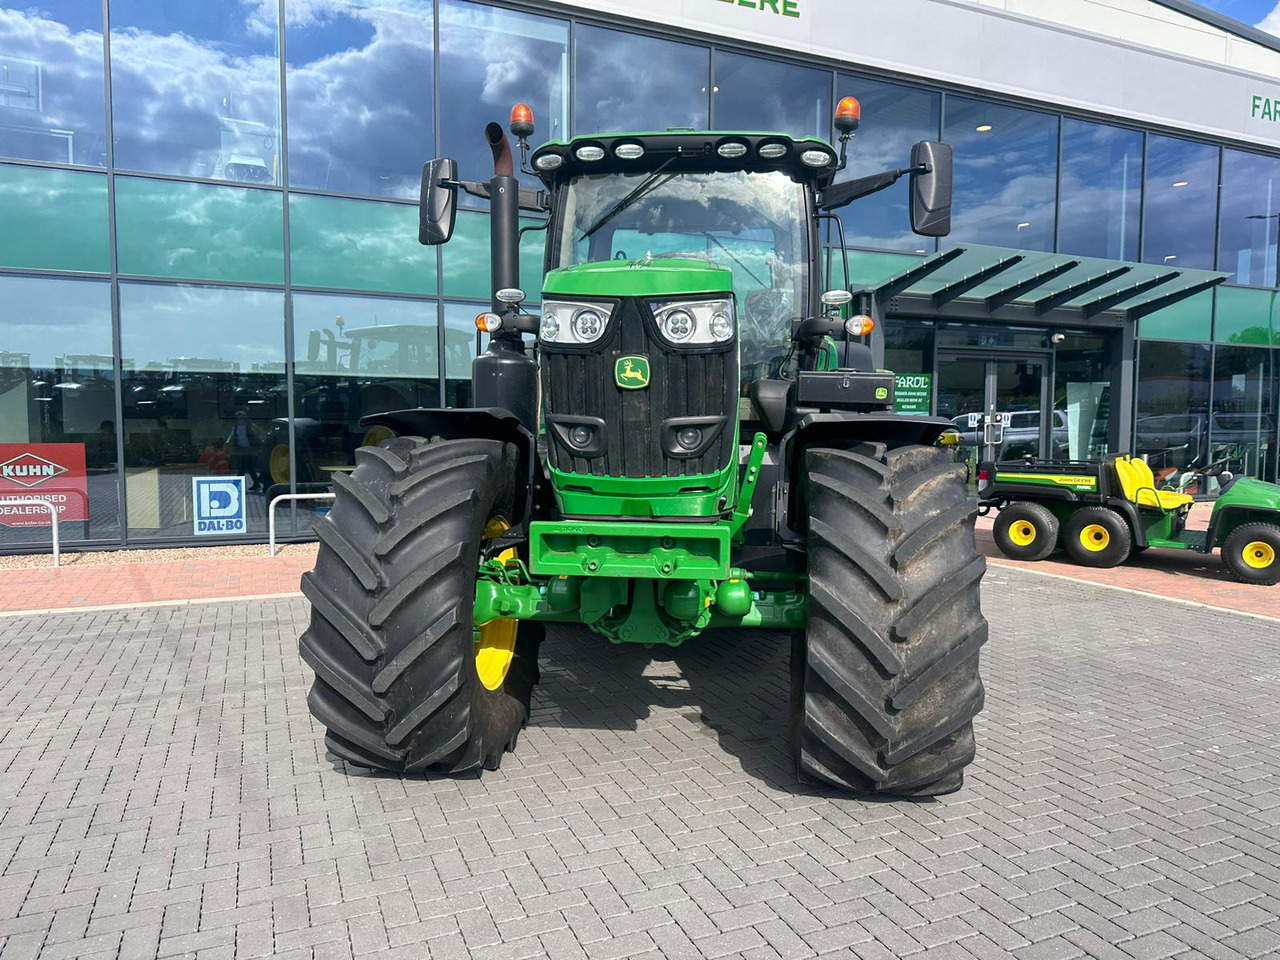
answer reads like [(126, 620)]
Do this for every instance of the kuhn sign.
[(53, 472)]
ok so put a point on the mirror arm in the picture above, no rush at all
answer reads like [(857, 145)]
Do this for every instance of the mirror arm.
[(535, 201), (843, 194)]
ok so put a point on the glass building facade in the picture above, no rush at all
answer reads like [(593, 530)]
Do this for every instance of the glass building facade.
[(209, 264)]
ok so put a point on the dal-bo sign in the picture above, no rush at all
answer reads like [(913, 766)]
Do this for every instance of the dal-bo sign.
[(53, 472)]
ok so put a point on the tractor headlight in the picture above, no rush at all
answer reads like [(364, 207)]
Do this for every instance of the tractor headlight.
[(695, 322), (573, 323)]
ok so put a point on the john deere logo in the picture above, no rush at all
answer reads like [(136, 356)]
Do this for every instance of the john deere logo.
[(632, 373)]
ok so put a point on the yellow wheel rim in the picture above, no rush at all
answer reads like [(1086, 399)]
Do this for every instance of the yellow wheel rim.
[(1259, 554), (1095, 538), (1023, 533), (496, 640), (376, 434), (279, 463)]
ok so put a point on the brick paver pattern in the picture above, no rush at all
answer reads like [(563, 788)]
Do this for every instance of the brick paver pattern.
[(164, 792)]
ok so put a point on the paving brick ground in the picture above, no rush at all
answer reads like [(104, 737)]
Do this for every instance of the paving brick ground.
[(163, 792)]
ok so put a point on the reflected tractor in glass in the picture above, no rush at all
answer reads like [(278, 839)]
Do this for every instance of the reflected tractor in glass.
[(688, 434)]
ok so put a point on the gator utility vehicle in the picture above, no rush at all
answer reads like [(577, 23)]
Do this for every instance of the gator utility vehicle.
[(702, 441), (1102, 511)]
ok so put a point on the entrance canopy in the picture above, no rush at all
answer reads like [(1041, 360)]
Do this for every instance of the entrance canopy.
[(972, 282)]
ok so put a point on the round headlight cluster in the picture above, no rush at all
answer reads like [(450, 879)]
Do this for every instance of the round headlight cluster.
[(677, 325), (588, 325)]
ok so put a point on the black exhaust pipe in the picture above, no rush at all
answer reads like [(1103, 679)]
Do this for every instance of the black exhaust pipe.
[(505, 375), (504, 213)]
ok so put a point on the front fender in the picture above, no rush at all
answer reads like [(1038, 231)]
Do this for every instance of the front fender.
[(843, 428), (476, 423)]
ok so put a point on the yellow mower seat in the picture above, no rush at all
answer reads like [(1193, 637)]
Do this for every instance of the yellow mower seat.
[(1139, 485)]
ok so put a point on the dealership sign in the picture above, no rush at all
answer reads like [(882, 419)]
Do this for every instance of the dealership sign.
[(786, 8), (52, 472), (219, 505)]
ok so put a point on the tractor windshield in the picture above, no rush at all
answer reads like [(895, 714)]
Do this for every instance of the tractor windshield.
[(753, 224)]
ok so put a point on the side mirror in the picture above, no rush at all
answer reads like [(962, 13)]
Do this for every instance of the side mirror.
[(931, 188), (437, 201), (313, 346)]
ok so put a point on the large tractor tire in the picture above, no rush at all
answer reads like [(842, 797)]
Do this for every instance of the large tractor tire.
[(885, 681), (403, 681)]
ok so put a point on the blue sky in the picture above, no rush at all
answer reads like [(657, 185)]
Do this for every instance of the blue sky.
[(1262, 13)]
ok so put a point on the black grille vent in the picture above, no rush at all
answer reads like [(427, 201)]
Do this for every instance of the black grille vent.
[(682, 384)]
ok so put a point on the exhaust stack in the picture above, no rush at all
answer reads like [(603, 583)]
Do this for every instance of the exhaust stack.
[(504, 216)]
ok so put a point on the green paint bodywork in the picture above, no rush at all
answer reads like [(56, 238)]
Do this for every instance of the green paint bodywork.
[(663, 277), (582, 495), (1245, 501)]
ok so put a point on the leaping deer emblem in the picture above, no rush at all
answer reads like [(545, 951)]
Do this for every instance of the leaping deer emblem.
[(631, 376)]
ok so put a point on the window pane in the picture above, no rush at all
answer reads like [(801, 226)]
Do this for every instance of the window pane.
[(1173, 405), (53, 101), (204, 383), (490, 60), (1181, 211), (1243, 425), (894, 117), (359, 87), (1081, 397), (1101, 201), (1005, 174), (756, 94), (53, 219), (48, 396), (355, 356), (1189, 319), (1247, 316), (199, 231), (664, 84), (358, 244), (464, 346), (466, 260), (1250, 210), (195, 89)]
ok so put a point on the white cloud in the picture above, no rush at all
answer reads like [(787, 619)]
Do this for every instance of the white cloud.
[(1271, 22)]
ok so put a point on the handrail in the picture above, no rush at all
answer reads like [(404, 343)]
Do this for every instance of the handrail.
[(271, 513), (53, 513)]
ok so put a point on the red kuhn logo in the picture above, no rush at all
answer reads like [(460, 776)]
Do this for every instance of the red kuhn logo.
[(29, 470)]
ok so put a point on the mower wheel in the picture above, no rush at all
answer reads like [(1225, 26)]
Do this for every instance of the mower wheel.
[(1252, 553), (1026, 531), (885, 681), (1097, 537), (403, 681)]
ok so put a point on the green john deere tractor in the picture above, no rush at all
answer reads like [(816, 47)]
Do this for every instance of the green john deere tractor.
[(691, 435)]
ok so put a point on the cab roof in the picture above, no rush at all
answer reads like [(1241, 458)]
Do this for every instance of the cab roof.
[(686, 151)]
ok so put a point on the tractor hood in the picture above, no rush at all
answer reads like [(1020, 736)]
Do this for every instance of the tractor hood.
[(648, 277)]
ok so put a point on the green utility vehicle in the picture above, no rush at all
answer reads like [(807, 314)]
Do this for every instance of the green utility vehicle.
[(1101, 511), (702, 441)]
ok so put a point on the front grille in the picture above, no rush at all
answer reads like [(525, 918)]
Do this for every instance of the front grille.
[(683, 383)]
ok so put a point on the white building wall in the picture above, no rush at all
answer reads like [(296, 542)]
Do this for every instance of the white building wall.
[(1132, 59)]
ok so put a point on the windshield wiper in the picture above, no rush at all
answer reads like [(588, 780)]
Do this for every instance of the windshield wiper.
[(735, 259), (647, 184)]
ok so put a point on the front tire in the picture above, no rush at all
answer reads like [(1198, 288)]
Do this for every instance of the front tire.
[(1097, 537), (1026, 531), (1252, 553), (398, 683), (885, 680)]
